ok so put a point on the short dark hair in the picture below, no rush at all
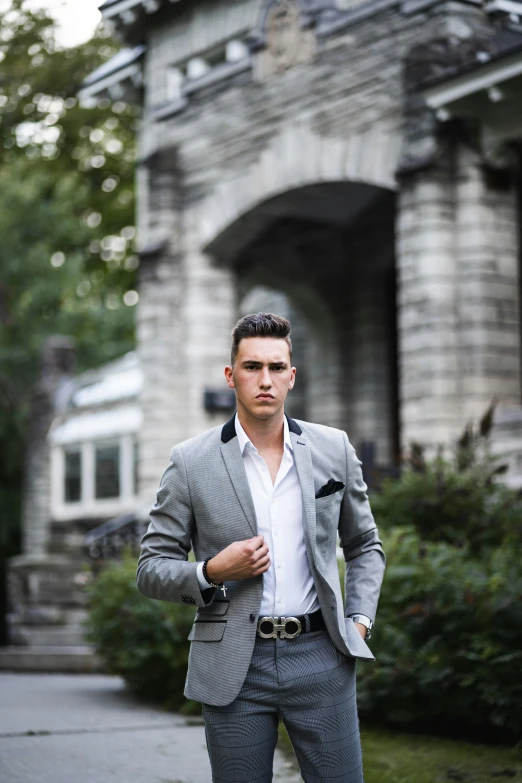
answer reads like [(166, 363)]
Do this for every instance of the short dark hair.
[(260, 325)]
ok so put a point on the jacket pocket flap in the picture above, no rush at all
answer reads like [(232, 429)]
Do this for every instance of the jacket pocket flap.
[(215, 608), (208, 631), (356, 644)]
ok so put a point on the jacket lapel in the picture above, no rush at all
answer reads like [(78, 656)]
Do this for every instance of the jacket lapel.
[(236, 470), (305, 472)]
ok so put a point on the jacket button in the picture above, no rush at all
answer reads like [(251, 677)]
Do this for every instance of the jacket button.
[(252, 617)]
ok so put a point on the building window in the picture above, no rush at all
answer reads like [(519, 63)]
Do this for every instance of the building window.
[(73, 475), (107, 471), (96, 477)]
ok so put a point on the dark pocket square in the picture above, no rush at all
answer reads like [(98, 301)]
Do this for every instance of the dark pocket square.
[(329, 488)]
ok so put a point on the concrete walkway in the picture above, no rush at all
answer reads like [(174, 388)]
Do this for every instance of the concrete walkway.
[(87, 729)]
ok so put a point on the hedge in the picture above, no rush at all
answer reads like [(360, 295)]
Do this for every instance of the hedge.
[(448, 641)]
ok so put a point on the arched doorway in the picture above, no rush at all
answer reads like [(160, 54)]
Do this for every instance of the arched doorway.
[(323, 254)]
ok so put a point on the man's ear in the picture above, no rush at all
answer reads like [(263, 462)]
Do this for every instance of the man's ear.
[(229, 376)]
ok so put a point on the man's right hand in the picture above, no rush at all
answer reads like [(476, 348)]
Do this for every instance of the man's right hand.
[(240, 560)]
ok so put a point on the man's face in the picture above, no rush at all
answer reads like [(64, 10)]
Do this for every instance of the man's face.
[(262, 375)]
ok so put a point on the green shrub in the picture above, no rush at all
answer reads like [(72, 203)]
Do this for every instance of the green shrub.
[(448, 638), (143, 641), (456, 499)]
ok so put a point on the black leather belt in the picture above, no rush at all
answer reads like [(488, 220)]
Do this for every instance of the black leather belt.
[(289, 627)]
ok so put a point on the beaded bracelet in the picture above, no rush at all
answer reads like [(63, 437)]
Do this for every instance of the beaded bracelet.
[(212, 584)]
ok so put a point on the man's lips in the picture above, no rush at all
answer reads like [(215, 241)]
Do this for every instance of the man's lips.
[(265, 397)]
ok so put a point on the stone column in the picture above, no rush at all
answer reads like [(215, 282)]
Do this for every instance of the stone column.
[(367, 362), (429, 351), (159, 327), (58, 356), (487, 253), (459, 292), (458, 263), (209, 311), (186, 312), (159, 333), (324, 401)]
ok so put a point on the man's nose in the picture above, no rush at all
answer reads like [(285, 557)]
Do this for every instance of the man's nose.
[(265, 378)]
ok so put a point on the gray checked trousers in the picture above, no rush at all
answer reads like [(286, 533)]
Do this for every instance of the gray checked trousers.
[(311, 686)]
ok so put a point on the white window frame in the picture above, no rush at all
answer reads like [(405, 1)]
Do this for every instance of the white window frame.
[(89, 505)]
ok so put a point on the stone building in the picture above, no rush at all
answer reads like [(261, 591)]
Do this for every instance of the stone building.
[(354, 164), (359, 159)]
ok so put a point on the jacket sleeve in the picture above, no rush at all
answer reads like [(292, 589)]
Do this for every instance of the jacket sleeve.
[(359, 539), (163, 570)]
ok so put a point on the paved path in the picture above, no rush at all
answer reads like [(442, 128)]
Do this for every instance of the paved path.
[(87, 729)]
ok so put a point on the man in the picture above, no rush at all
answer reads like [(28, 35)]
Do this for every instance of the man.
[(260, 501)]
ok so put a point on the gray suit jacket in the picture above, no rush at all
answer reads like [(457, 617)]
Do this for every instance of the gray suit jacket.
[(204, 504)]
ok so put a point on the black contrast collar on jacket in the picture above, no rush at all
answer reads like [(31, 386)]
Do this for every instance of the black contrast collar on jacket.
[(229, 429)]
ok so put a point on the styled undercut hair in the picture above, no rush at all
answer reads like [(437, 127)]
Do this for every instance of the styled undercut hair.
[(260, 325)]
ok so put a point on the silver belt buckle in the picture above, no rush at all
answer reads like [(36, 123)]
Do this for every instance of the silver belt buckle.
[(279, 627)]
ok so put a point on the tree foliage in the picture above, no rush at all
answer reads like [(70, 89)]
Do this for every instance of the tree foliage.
[(67, 261)]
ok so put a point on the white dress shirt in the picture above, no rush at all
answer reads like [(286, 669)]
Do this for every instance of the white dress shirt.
[(288, 585)]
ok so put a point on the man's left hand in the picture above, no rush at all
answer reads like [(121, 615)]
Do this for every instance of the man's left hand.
[(362, 629)]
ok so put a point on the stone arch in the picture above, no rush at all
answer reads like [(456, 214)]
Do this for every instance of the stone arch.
[(322, 234), (298, 157)]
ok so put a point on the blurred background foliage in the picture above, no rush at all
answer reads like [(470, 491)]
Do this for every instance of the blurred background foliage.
[(448, 637), (143, 641), (448, 643), (455, 498), (67, 260)]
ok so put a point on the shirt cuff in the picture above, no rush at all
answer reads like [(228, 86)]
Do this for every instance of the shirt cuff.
[(204, 585), (363, 617)]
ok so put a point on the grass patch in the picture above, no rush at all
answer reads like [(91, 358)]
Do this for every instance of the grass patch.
[(392, 757)]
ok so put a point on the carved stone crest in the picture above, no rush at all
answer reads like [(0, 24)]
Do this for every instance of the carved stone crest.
[(286, 41)]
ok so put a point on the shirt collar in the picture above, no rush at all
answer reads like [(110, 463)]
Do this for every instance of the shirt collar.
[(245, 441)]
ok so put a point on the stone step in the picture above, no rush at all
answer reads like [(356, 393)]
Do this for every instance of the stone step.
[(73, 658), (74, 616), (69, 635), (46, 615)]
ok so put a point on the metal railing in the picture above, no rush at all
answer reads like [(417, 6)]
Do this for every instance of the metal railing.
[(110, 539)]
